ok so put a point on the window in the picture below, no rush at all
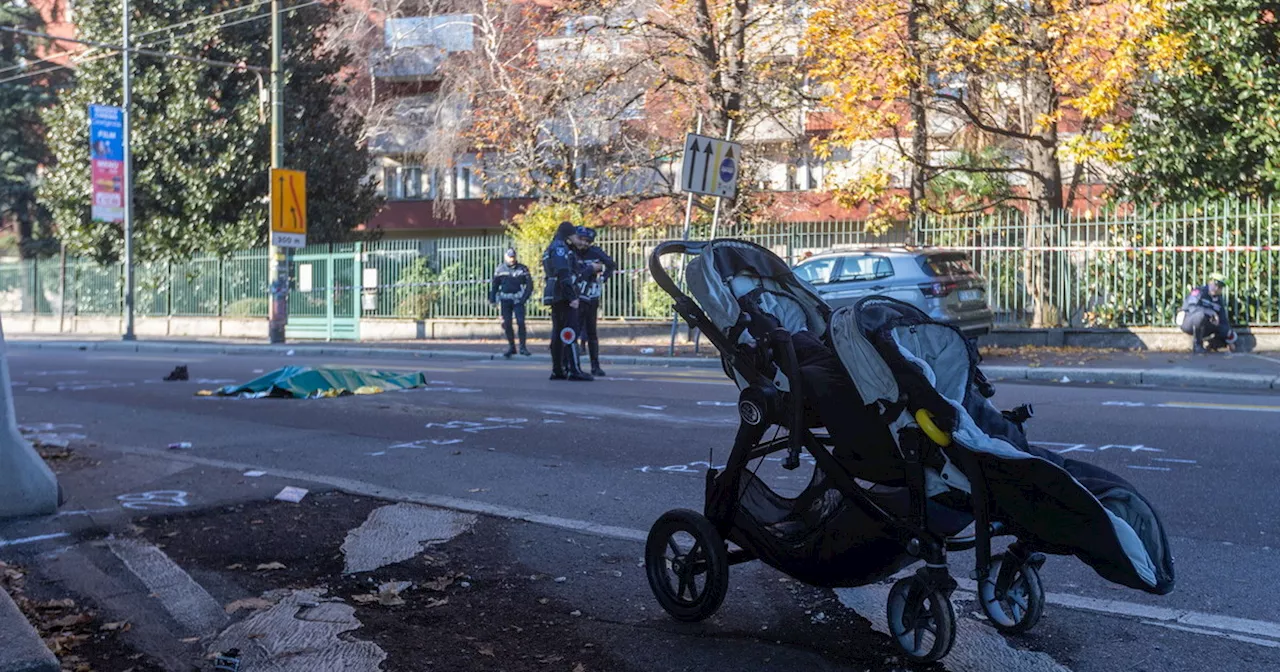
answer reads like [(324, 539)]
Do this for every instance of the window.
[(816, 272), (946, 265), (402, 183), (861, 269), (392, 183)]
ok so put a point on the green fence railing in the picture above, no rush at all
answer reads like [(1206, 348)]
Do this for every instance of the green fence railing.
[(1111, 270)]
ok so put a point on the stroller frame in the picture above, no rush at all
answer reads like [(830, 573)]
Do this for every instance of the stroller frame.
[(919, 602)]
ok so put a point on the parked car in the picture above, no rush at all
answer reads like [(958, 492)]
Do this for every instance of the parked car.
[(940, 282)]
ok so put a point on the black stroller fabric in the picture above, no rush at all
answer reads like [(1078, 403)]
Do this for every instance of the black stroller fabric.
[(1057, 505)]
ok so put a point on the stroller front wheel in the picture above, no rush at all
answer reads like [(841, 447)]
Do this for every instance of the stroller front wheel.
[(1011, 594), (921, 619), (687, 564)]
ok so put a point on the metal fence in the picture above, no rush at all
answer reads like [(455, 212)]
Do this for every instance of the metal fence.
[(1105, 271)]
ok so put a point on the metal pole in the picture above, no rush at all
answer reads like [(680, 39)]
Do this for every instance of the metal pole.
[(688, 220), (715, 226), (279, 259), (62, 289), (128, 177)]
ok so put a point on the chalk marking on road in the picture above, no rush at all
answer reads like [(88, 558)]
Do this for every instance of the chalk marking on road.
[(184, 599), (1226, 624), (1219, 407), (718, 403), (653, 408), (1173, 459), (1136, 448), (1142, 468), (31, 540), (1130, 404), (141, 501), (377, 454), (81, 512)]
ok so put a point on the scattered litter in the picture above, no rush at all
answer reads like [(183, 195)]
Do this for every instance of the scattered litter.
[(433, 603), (259, 371), (204, 393), (478, 490), (646, 351), (575, 612), (484, 650), (228, 661), (369, 389), (288, 354), (271, 567), (178, 373), (820, 617), (617, 574), (255, 474), (182, 445), (439, 584), (1065, 380), (389, 593), (543, 600), (654, 408), (292, 494), (561, 579), (467, 584)]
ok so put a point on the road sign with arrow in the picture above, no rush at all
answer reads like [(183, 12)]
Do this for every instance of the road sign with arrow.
[(711, 166), (288, 208)]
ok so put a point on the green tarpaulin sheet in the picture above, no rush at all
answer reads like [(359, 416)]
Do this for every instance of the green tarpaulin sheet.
[(304, 382)]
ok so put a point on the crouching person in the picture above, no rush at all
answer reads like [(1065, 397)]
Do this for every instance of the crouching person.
[(1204, 317)]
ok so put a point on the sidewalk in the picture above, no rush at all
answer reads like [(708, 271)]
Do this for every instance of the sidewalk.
[(1247, 371)]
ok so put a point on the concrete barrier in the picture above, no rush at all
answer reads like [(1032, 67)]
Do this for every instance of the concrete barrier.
[(27, 485)]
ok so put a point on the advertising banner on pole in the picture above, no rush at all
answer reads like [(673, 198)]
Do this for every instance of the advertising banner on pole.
[(106, 155)]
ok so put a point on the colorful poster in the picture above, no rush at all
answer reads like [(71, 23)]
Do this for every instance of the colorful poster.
[(106, 156)]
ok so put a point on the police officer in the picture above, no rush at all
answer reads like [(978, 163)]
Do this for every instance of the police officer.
[(561, 266), (512, 285), (590, 287), (1204, 317)]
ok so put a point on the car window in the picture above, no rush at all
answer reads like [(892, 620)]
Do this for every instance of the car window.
[(817, 271), (865, 268), (944, 265)]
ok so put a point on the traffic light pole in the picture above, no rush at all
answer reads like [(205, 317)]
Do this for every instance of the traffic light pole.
[(279, 255)]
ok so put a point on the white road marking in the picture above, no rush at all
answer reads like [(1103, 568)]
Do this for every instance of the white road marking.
[(1205, 631), (1137, 466), (1269, 359), (653, 408), (32, 540), (184, 599), (978, 647), (1219, 407), (1227, 625), (1174, 460)]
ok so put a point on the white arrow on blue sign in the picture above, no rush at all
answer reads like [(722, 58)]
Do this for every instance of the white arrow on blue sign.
[(710, 166)]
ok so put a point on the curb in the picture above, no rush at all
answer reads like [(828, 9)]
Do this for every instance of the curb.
[(1188, 378), (21, 649), (1168, 378), (343, 351)]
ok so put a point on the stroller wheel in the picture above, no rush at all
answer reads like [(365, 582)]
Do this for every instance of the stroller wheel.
[(687, 564), (1014, 602), (922, 621)]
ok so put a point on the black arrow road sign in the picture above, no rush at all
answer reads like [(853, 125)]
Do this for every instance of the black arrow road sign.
[(692, 151), (706, 165)]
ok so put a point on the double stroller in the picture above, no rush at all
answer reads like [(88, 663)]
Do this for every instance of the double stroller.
[(908, 454)]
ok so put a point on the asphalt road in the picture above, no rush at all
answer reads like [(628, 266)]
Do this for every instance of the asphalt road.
[(624, 449)]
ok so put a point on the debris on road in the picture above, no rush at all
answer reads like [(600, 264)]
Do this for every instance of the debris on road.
[(178, 373), (399, 532), (254, 474), (303, 382), (182, 445), (291, 494)]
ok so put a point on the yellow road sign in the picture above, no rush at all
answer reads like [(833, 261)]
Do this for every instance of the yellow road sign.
[(288, 208)]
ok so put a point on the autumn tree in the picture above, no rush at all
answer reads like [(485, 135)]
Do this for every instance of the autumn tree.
[(1208, 124), (990, 74)]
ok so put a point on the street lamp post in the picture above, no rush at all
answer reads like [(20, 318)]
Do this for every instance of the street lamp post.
[(279, 255), (128, 179)]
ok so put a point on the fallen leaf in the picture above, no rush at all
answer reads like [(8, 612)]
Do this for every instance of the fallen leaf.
[(190, 640), (484, 650), (365, 599), (270, 566), (235, 566), (478, 490), (58, 604), (433, 603), (122, 626), (252, 603), (439, 584), (257, 635), (71, 621), (550, 659), (579, 667)]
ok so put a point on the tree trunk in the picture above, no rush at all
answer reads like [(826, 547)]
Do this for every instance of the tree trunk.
[(1045, 187), (920, 130)]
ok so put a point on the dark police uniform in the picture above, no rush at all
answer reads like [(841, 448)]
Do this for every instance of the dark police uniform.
[(1204, 317), (512, 286), (561, 266), (590, 288)]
